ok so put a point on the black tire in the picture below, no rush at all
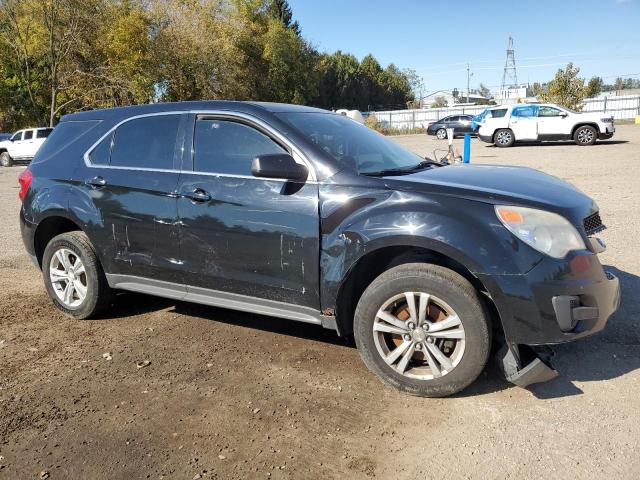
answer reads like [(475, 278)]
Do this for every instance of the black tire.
[(453, 289), (441, 134), (5, 159), (585, 135), (98, 295), (503, 138)]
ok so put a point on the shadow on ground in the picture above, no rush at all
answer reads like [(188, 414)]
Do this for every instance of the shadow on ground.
[(559, 143), (612, 353)]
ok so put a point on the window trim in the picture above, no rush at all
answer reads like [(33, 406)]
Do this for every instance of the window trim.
[(250, 119)]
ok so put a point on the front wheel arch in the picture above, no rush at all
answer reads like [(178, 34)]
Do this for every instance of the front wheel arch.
[(371, 265)]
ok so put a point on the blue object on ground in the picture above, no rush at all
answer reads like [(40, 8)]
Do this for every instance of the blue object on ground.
[(466, 156)]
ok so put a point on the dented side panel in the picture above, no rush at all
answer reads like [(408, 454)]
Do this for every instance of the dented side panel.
[(359, 219), (256, 237)]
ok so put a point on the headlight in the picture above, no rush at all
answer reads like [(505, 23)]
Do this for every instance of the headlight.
[(547, 232)]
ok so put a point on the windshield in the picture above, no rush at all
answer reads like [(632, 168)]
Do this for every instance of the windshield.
[(351, 144)]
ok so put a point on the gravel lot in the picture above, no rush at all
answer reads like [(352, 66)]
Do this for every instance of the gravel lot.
[(234, 395)]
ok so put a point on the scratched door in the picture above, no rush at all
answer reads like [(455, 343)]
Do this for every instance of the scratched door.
[(242, 234)]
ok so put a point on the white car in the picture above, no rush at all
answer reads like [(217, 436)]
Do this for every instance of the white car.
[(23, 145), (505, 125)]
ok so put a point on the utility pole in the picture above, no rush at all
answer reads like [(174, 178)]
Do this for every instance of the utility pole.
[(469, 75)]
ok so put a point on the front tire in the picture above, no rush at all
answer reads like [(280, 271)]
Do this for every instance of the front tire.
[(585, 135), (73, 276), (504, 138), (441, 134), (423, 329), (6, 160)]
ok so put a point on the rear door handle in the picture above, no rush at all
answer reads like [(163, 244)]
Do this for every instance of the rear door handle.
[(96, 182), (198, 195)]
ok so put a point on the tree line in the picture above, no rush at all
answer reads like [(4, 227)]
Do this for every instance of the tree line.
[(61, 56)]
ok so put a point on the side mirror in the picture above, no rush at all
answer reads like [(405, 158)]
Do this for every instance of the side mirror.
[(564, 114), (278, 165)]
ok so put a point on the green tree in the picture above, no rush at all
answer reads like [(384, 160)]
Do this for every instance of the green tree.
[(594, 87), (439, 102), (566, 89)]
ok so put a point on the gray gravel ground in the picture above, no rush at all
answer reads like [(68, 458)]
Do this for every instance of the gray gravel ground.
[(232, 395)]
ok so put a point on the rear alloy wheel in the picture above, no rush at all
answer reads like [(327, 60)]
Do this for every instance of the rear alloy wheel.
[(441, 134), (5, 159), (585, 135), (504, 138), (74, 277), (423, 329)]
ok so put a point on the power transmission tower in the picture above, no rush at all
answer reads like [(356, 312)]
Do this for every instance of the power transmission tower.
[(509, 77)]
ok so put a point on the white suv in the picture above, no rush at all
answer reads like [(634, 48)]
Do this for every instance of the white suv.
[(505, 125), (23, 145)]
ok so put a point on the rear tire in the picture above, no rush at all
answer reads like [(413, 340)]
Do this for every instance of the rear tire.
[(585, 135), (70, 265), (5, 159), (504, 138), (385, 321), (441, 134)]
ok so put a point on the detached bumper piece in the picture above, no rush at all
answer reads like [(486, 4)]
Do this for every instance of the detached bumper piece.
[(524, 366)]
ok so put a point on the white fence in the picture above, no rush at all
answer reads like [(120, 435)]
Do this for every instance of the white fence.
[(620, 107)]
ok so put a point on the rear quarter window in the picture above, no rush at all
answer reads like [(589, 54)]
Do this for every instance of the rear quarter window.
[(498, 113), (63, 135)]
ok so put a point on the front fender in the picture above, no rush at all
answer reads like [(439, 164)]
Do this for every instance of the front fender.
[(357, 221)]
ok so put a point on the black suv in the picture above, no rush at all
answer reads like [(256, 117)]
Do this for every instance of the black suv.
[(300, 213)]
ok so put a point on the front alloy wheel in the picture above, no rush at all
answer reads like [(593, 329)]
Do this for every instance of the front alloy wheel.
[(585, 135), (441, 134), (423, 329), (419, 335)]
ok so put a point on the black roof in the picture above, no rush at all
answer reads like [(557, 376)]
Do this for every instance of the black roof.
[(245, 107)]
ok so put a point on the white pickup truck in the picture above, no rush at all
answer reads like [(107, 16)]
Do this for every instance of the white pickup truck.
[(23, 145), (505, 125)]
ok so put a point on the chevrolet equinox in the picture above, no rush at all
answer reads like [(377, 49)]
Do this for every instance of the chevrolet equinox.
[(303, 214)]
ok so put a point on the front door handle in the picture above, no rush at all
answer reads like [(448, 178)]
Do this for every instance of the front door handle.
[(96, 182), (198, 195)]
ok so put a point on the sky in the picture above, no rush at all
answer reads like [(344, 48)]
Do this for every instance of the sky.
[(437, 39)]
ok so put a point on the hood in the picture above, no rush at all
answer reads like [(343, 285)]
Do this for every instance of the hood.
[(593, 116), (500, 184)]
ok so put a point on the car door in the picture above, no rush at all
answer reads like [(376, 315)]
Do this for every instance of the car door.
[(464, 122), (524, 122), (16, 144), (27, 144), (241, 234), (552, 123), (131, 180)]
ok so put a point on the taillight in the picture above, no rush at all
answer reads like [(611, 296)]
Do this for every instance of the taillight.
[(25, 181)]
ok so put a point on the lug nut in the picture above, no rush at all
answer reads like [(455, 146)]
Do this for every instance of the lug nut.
[(412, 325), (407, 337), (430, 339), (425, 326), (418, 347)]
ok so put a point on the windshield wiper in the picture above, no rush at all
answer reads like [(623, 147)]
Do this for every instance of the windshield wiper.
[(403, 170)]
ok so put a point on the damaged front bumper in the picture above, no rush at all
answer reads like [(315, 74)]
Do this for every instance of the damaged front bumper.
[(524, 366)]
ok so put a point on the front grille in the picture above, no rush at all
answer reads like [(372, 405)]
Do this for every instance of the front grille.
[(593, 224)]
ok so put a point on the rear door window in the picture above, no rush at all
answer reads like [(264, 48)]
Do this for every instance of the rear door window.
[(43, 132), (28, 135), (228, 147), (147, 142)]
